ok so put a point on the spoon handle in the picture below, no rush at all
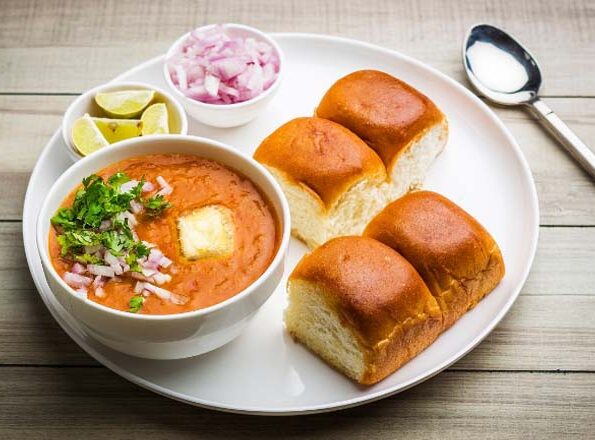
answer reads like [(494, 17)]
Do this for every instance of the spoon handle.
[(577, 148)]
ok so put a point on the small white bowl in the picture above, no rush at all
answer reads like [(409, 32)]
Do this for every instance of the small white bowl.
[(85, 103), (170, 336), (228, 115)]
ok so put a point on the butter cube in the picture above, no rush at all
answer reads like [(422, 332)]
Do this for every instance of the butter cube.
[(207, 232)]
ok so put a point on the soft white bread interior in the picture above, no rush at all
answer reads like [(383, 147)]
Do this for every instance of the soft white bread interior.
[(457, 258), (361, 307), (337, 176), (331, 178)]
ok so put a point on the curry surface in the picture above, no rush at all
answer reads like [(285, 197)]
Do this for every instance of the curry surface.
[(196, 182)]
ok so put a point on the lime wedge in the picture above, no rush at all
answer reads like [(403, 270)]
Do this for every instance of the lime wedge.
[(126, 103), (86, 136), (154, 120), (115, 130)]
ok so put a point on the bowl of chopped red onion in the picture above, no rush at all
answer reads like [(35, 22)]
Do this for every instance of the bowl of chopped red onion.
[(225, 75)]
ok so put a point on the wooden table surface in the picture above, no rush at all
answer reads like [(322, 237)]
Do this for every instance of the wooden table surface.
[(534, 376)]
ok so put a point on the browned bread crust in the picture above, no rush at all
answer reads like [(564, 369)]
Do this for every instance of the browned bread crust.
[(457, 258), (323, 156), (379, 296), (387, 113)]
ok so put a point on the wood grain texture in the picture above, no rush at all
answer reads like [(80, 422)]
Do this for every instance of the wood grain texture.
[(565, 192), (69, 46), (94, 403), (533, 377)]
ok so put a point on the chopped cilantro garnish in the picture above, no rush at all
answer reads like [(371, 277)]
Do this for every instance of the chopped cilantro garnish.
[(118, 179), (87, 259), (85, 224), (156, 205), (64, 217), (135, 303)]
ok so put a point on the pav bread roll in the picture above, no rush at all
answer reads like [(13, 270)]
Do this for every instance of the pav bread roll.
[(401, 124), (361, 307), (329, 175), (457, 258)]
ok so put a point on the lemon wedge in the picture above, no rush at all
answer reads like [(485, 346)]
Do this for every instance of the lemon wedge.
[(86, 137), (155, 120), (115, 130), (126, 103)]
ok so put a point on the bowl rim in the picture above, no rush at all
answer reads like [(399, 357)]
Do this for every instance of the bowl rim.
[(69, 113), (223, 107), (134, 144)]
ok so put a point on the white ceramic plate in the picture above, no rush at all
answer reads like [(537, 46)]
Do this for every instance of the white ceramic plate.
[(264, 371)]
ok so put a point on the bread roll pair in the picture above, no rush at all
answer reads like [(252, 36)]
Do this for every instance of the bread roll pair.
[(373, 139), (367, 305)]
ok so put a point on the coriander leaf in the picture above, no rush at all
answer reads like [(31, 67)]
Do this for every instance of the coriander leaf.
[(116, 242), (64, 217), (135, 303), (156, 205), (138, 189), (139, 250), (74, 241), (88, 259), (118, 179), (98, 200)]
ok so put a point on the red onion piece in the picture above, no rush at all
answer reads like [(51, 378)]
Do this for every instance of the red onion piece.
[(104, 271), (166, 188), (161, 278), (127, 186), (77, 281), (99, 281), (165, 262), (148, 187), (139, 287), (78, 268), (135, 207)]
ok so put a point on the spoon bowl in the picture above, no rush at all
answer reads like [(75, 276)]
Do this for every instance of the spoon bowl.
[(503, 71)]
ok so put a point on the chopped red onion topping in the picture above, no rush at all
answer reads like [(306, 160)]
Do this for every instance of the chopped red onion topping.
[(139, 287), (104, 271), (98, 281), (77, 281), (127, 186), (136, 207), (166, 294), (213, 67), (161, 278), (78, 268), (166, 188), (111, 267), (148, 187)]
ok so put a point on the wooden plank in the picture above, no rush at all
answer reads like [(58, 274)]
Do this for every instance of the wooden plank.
[(62, 46), (54, 402), (549, 328), (566, 194)]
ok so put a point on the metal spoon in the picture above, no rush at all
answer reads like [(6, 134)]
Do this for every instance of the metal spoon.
[(501, 69)]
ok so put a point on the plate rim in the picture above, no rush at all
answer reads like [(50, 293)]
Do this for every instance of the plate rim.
[(31, 254)]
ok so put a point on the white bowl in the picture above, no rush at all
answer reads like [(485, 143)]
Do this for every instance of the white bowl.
[(228, 115), (85, 103), (170, 336)]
